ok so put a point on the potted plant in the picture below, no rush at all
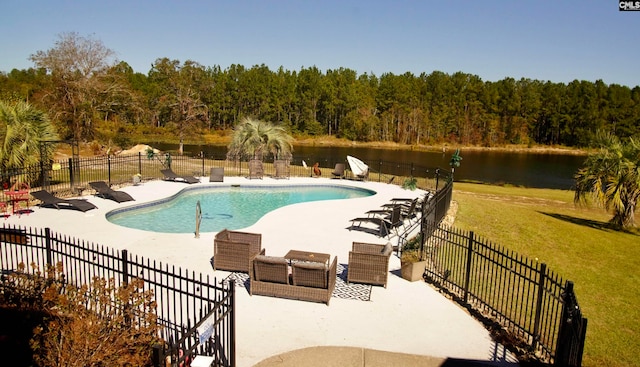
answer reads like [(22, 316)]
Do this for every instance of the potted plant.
[(410, 183), (412, 260)]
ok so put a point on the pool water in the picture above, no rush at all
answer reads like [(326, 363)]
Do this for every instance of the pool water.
[(223, 207)]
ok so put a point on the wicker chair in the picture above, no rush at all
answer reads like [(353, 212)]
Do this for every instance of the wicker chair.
[(255, 169), (234, 250), (369, 263), (282, 169)]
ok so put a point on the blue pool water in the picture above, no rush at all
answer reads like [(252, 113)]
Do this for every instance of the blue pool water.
[(223, 206)]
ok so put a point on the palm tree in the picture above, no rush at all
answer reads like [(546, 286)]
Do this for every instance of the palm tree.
[(612, 177), (23, 128), (252, 138)]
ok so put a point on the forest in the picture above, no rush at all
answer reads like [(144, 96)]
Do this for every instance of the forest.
[(88, 97)]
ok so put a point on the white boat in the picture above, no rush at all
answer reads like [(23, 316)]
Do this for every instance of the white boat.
[(358, 167)]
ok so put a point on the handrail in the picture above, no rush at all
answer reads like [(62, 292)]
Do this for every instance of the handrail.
[(198, 218)]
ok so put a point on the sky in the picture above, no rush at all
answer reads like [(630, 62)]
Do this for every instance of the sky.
[(554, 40)]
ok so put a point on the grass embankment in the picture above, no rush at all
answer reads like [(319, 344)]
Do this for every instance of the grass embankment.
[(577, 244)]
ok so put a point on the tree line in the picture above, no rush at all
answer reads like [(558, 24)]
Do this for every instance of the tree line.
[(89, 97)]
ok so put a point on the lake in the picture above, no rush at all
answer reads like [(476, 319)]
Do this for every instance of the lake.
[(537, 170)]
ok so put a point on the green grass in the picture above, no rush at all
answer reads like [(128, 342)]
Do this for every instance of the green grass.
[(576, 243)]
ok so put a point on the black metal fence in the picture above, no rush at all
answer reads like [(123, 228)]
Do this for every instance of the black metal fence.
[(195, 312), (70, 177), (532, 303), (537, 309)]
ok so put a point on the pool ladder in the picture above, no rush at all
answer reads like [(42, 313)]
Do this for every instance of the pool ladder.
[(198, 219)]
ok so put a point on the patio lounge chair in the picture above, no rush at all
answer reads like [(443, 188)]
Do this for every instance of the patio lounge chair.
[(408, 209), (51, 201), (338, 171), (104, 191), (169, 175), (365, 176), (385, 223), (255, 169), (217, 174), (369, 263)]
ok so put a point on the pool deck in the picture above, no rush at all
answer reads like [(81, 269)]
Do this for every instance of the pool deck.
[(405, 318)]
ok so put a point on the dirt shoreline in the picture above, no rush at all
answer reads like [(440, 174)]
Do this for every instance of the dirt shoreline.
[(87, 149), (448, 148)]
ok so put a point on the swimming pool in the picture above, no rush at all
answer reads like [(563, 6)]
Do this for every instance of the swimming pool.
[(231, 207)]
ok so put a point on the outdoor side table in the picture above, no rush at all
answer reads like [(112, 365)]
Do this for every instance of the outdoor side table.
[(308, 256), (16, 197)]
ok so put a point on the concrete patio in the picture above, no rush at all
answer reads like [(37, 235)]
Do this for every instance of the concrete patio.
[(406, 318)]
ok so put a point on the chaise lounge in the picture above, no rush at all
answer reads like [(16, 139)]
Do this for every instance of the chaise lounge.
[(390, 221), (104, 191), (408, 209), (51, 201), (309, 281), (169, 175)]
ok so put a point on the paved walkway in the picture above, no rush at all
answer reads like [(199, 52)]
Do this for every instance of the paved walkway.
[(406, 317), (362, 357)]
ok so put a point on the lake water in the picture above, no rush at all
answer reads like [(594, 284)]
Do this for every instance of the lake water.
[(538, 170)]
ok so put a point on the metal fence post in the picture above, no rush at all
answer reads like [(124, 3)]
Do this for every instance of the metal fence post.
[(71, 174), (157, 357), (232, 317), (563, 346), (109, 169), (42, 176), (140, 163), (202, 156), (47, 246), (572, 333), (538, 312), (125, 282), (125, 266), (467, 275)]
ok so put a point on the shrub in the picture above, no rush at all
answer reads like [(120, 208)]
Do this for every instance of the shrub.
[(99, 324), (411, 250)]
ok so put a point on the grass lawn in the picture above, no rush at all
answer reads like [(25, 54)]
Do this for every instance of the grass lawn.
[(576, 243)]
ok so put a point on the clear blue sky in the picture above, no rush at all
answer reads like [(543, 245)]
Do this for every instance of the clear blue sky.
[(556, 40)]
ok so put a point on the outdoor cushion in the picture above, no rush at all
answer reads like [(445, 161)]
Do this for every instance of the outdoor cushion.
[(310, 274), (271, 269), (387, 249)]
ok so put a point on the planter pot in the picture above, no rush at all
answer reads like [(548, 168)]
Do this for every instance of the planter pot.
[(412, 271)]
